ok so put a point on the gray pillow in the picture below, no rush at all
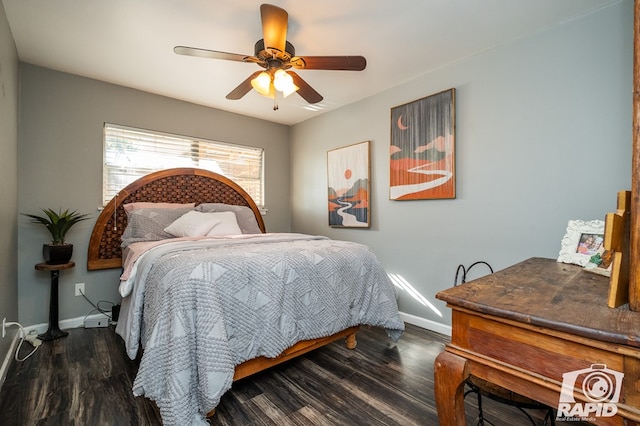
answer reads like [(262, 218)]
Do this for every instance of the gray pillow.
[(149, 224), (246, 219)]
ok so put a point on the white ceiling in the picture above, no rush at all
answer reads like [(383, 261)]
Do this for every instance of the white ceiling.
[(130, 43)]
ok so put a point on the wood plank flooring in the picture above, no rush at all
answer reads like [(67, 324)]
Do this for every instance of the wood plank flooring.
[(86, 379)]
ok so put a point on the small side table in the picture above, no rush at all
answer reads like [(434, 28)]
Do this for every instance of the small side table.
[(54, 331)]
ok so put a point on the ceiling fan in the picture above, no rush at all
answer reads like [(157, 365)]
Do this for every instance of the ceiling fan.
[(276, 55)]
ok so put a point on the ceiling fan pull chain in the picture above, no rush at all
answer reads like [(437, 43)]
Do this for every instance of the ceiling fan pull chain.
[(275, 102)]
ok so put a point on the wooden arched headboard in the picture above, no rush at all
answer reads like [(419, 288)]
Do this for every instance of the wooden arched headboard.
[(181, 185)]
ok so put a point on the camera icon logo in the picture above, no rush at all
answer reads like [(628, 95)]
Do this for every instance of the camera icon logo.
[(599, 385)]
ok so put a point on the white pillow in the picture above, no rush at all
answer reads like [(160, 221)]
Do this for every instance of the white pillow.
[(244, 215), (228, 224), (193, 224)]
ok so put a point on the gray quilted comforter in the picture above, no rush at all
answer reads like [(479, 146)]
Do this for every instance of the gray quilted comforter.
[(210, 307)]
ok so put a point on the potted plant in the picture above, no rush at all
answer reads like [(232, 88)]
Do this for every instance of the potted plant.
[(58, 223)]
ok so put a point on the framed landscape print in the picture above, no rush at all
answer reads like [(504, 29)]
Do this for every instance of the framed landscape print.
[(422, 154), (348, 186)]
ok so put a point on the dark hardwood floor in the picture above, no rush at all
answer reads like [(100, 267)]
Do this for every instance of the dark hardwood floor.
[(86, 379)]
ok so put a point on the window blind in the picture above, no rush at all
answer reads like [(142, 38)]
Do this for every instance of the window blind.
[(131, 153)]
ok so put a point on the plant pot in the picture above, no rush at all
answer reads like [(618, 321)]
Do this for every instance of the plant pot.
[(57, 254)]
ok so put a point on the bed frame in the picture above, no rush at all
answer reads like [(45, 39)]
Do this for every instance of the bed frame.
[(187, 185)]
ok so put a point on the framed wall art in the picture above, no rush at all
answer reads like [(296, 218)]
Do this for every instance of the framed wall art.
[(422, 154), (348, 186), (582, 240)]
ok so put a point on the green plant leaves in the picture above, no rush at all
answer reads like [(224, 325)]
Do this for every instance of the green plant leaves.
[(58, 223)]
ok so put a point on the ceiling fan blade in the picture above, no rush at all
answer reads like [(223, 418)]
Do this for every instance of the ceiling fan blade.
[(213, 54), (243, 88), (307, 92), (274, 27), (339, 63)]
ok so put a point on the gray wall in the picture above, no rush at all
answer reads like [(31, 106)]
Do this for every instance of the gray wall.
[(8, 180), (60, 165), (543, 136)]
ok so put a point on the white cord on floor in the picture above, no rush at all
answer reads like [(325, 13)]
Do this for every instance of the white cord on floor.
[(33, 339)]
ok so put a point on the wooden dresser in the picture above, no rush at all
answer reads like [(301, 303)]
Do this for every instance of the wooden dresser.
[(522, 328)]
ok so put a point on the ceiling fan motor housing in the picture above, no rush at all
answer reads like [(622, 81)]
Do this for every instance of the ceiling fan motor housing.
[(264, 54)]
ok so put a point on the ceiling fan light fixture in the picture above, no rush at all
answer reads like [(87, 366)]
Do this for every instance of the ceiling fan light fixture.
[(289, 91), (262, 83), (283, 82), (272, 92)]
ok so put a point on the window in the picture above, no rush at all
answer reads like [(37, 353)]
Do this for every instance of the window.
[(132, 153)]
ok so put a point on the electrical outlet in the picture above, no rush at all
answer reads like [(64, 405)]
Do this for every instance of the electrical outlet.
[(4, 321), (80, 289)]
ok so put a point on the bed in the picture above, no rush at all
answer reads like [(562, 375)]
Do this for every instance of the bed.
[(203, 309)]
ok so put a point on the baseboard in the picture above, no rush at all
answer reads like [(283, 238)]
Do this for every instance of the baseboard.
[(8, 359), (411, 319), (63, 324), (426, 323)]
